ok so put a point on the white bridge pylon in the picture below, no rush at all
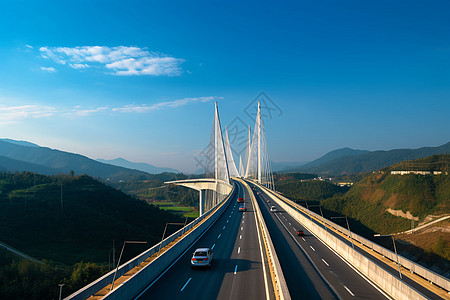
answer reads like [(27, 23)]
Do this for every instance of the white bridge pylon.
[(219, 164), (258, 165)]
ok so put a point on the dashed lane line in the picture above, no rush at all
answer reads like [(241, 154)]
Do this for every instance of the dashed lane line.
[(185, 284), (348, 290), (325, 262)]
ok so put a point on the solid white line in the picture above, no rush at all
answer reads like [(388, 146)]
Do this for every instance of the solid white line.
[(185, 284), (325, 262), (219, 236), (348, 290), (266, 284), (312, 248), (213, 246), (239, 250), (354, 269), (179, 257), (235, 269)]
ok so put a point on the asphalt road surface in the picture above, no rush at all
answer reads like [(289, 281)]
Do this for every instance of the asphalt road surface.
[(237, 269), (311, 269)]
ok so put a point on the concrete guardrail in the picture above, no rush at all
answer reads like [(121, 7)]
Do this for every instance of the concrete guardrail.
[(386, 281), (413, 267), (134, 285), (280, 282)]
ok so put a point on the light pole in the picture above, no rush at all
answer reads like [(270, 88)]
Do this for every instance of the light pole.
[(164, 233), (321, 213), (60, 290), (121, 252), (348, 227), (395, 249)]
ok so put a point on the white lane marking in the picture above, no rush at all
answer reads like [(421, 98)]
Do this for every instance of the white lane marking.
[(240, 237), (235, 270), (187, 284), (239, 250), (325, 262), (312, 248), (242, 221), (290, 223), (223, 227), (304, 239), (215, 245), (219, 236), (228, 220), (242, 228), (348, 290), (294, 228)]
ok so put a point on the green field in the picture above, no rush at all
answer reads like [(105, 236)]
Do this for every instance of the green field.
[(185, 211)]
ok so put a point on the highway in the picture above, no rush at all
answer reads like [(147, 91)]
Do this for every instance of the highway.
[(311, 269), (237, 271), (391, 268)]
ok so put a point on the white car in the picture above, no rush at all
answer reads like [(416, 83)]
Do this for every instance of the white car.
[(273, 209), (202, 257)]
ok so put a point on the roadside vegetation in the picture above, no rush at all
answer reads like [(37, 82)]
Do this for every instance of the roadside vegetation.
[(415, 197), (69, 223)]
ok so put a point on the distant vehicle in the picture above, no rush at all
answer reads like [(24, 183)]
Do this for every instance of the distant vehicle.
[(273, 209), (242, 208), (300, 233), (240, 200), (202, 257)]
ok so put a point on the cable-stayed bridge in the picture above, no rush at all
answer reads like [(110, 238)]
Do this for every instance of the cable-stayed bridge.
[(258, 253)]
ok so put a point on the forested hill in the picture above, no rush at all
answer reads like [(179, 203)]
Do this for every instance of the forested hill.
[(73, 218), (352, 162), (418, 195)]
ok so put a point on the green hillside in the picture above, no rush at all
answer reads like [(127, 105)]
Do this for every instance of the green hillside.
[(420, 195), (81, 226)]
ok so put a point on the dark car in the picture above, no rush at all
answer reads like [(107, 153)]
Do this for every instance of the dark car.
[(300, 232)]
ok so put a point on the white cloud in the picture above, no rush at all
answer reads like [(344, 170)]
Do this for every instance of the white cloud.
[(12, 114), (78, 112), (162, 105), (29, 46), (48, 69), (121, 60), (79, 66)]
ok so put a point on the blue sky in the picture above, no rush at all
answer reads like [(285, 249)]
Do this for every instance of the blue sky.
[(138, 79)]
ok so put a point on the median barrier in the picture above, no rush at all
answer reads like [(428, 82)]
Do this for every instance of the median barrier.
[(280, 282), (385, 280)]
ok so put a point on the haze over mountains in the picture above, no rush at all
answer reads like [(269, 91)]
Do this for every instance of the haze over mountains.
[(26, 156), (349, 161), (121, 162)]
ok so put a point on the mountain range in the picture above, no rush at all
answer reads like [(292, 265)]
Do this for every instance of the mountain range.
[(25, 156), (350, 161), (121, 162)]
